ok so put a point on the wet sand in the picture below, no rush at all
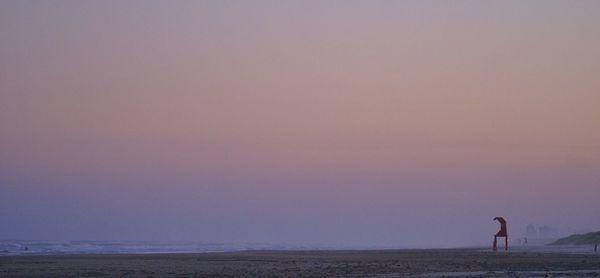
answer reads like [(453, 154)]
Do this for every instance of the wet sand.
[(380, 263)]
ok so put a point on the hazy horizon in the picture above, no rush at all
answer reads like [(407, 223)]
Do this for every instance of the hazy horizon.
[(346, 123)]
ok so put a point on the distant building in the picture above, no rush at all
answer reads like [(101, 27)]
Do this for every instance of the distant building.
[(531, 232), (547, 232)]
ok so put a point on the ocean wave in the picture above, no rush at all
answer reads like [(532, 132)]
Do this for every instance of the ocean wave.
[(41, 247)]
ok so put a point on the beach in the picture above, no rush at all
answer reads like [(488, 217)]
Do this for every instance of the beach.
[(470, 262)]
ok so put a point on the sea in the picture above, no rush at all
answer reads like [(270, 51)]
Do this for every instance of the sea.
[(58, 247), (54, 247)]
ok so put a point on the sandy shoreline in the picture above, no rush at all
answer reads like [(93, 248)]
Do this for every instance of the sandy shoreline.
[(382, 263)]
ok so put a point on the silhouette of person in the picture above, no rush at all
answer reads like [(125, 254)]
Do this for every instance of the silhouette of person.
[(502, 233)]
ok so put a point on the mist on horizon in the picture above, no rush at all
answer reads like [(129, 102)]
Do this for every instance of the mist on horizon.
[(342, 123)]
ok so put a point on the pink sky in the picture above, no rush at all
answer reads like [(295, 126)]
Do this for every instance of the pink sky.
[(342, 123)]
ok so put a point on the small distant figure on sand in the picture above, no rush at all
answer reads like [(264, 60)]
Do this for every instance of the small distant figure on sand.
[(502, 233)]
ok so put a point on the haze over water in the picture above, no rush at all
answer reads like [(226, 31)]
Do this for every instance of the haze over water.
[(340, 123)]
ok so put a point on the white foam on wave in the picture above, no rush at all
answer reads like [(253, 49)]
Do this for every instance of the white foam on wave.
[(41, 247)]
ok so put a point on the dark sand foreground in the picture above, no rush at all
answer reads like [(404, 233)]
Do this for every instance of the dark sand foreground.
[(392, 263)]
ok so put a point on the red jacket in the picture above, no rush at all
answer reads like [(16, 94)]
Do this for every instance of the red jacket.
[(503, 230)]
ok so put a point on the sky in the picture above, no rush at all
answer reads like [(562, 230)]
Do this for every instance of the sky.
[(335, 123)]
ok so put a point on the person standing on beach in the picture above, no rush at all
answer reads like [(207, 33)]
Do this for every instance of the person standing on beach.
[(502, 233)]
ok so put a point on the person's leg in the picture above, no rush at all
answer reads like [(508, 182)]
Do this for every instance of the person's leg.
[(506, 243), (494, 245)]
